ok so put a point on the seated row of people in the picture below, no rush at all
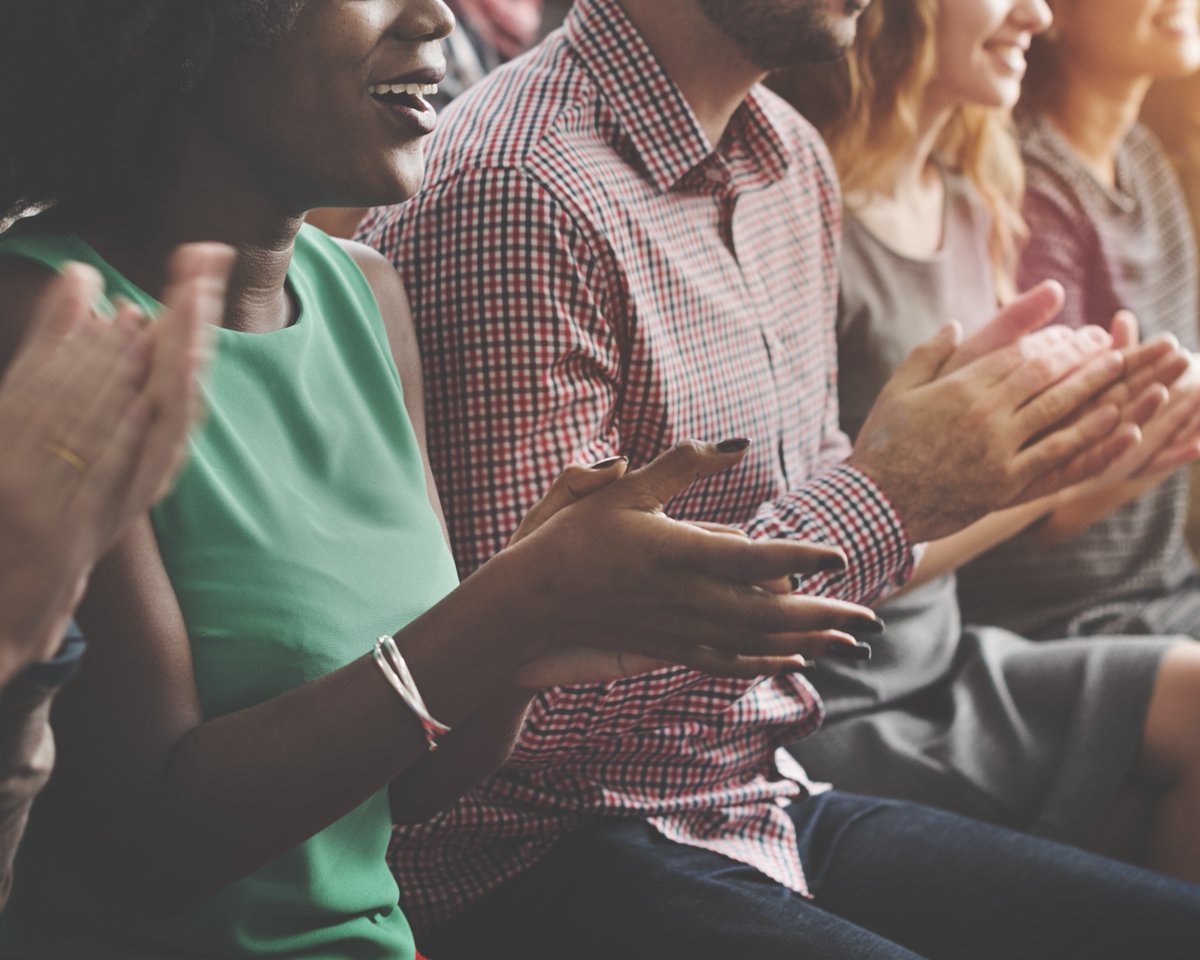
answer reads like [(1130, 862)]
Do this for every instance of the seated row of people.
[(1040, 736), (623, 241)]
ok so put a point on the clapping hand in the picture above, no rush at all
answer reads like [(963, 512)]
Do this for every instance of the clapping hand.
[(639, 590), (94, 416)]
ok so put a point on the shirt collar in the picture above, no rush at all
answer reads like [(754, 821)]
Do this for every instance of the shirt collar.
[(652, 111)]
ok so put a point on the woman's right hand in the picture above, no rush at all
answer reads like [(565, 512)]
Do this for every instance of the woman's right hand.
[(94, 416), (613, 587)]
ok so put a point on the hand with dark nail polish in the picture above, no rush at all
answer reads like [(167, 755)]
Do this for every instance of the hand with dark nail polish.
[(856, 652), (689, 593)]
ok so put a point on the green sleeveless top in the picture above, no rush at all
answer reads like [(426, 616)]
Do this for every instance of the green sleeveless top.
[(299, 531)]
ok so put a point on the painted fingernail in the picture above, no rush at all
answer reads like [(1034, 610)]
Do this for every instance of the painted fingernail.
[(733, 445), (859, 652), (875, 626), (610, 462), (833, 563), (794, 581)]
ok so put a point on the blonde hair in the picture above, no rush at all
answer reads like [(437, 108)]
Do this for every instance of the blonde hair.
[(867, 106)]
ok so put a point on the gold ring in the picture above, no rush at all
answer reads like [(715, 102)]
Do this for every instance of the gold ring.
[(67, 455)]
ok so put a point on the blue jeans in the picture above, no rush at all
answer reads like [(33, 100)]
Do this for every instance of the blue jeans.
[(890, 880)]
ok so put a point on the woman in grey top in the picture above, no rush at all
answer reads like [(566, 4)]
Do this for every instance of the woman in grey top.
[(1063, 739), (1107, 218)]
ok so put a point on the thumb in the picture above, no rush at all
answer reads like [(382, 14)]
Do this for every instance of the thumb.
[(1031, 311), (575, 483), (925, 362), (672, 472)]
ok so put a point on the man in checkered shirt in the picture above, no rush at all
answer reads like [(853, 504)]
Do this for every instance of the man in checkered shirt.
[(591, 278)]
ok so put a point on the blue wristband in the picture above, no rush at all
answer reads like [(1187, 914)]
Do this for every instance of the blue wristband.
[(54, 673)]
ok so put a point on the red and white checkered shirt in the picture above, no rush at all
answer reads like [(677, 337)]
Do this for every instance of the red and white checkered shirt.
[(591, 278)]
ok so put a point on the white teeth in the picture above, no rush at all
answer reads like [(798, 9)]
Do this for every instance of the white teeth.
[(416, 89)]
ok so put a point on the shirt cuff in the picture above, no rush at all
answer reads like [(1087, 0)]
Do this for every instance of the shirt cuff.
[(869, 529)]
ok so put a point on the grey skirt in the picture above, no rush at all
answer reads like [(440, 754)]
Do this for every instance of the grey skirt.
[(1034, 735)]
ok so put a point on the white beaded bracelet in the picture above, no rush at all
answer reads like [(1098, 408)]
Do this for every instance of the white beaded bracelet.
[(395, 670)]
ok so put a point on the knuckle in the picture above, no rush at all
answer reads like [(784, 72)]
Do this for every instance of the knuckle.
[(689, 450), (763, 619), (1039, 368), (1053, 406)]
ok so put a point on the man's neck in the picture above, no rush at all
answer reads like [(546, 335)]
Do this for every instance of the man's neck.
[(1094, 113), (710, 70)]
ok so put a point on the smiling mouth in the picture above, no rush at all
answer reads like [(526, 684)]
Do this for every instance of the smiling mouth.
[(1011, 53), (403, 94)]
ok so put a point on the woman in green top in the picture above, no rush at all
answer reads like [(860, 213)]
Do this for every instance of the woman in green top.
[(232, 755)]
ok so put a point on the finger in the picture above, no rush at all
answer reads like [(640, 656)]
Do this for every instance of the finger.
[(1088, 461), (1055, 404), (927, 361), (66, 303), (128, 316), (1030, 311), (193, 306), (1060, 446), (1124, 330), (730, 615), (1038, 361), (783, 585), (718, 663), (752, 561), (1172, 459), (1147, 406), (97, 505), (813, 645), (1181, 436), (790, 653), (105, 366), (672, 472), (575, 483), (718, 528), (1157, 361), (578, 665), (1133, 461)]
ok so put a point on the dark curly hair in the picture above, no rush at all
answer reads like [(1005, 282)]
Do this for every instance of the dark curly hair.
[(87, 87)]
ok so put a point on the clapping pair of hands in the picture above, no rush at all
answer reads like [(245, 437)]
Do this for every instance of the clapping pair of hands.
[(94, 417)]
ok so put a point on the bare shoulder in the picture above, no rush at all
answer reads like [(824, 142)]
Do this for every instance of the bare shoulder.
[(22, 284), (393, 303), (382, 277)]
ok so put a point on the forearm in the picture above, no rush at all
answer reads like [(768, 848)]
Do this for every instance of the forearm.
[(948, 554), (26, 759), (477, 747), (1091, 503), (192, 808)]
